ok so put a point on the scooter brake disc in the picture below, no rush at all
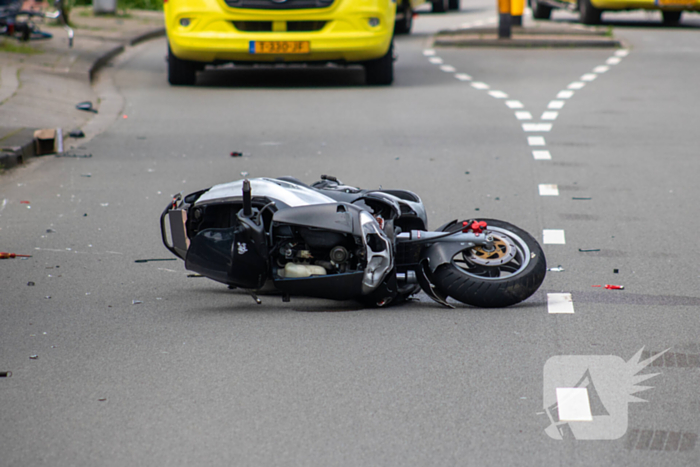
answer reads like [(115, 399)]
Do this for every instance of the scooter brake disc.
[(503, 251)]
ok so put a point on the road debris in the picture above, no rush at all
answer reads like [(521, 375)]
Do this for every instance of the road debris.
[(154, 259), (24, 202), (31, 284), (86, 175), (194, 275), (34, 357), (4, 255), (86, 106), (236, 154), (5, 374), (76, 134), (616, 271), (610, 287), (557, 269), (581, 198), (136, 302), (588, 250)]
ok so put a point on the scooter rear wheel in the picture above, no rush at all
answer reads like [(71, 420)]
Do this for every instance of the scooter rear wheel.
[(504, 276)]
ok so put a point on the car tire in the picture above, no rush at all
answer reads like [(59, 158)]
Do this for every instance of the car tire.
[(588, 14), (440, 6), (380, 72), (181, 72), (539, 10), (404, 25), (671, 18), (454, 4)]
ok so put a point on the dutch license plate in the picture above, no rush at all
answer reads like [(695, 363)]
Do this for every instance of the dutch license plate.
[(279, 47), (676, 2)]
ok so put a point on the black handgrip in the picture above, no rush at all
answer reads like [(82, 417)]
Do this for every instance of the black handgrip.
[(247, 202)]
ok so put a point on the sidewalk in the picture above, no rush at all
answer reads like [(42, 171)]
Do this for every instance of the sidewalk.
[(42, 80)]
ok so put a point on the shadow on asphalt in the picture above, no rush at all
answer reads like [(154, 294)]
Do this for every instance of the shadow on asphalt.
[(691, 24), (283, 77)]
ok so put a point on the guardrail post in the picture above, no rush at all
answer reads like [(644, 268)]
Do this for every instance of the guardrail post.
[(516, 12), (504, 19)]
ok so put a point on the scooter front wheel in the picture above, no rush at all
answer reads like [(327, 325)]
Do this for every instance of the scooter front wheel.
[(505, 275)]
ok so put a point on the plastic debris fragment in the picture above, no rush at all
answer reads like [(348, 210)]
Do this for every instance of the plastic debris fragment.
[(86, 106), (614, 287), (587, 250), (236, 154), (34, 357), (154, 259), (76, 134), (616, 271), (31, 284), (581, 198), (557, 269), (24, 202), (136, 302), (5, 374), (4, 255)]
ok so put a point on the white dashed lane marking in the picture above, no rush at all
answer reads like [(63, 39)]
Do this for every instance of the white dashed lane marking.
[(523, 115), (429, 52), (536, 141), (498, 94), (565, 94), (622, 53), (548, 190), (601, 69), (589, 77), (514, 104), (448, 68), (613, 60), (553, 237), (537, 127), (549, 115), (435, 60), (480, 85), (576, 85), (560, 303), (555, 104), (542, 155), (463, 77)]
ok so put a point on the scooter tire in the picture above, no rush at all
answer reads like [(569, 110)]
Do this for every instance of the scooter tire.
[(485, 289)]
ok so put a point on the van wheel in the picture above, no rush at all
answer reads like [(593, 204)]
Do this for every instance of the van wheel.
[(588, 14), (405, 23), (441, 6), (539, 10), (181, 72), (671, 18), (380, 72)]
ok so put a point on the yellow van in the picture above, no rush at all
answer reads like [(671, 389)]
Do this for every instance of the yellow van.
[(590, 11), (202, 32)]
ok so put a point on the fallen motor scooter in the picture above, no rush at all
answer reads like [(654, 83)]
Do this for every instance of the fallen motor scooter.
[(330, 240)]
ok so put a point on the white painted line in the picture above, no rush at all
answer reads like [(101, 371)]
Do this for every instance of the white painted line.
[(576, 85), (589, 77), (492, 20), (560, 303), (601, 69), (435, 60), (523, 115), (553, 237), (549, 115), (514, 104), (498, 94), (548, 190), (530, 127), (535, 140), (463, 77), (622, 53), (448, 68), (573, 405), (555, 104), (480, 85), (465, 25), (542, 155), (429, 52), (479, 23), (565, 94), (613, 60)]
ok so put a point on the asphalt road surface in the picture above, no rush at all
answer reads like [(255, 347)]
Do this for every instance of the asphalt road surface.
[(137, 364)]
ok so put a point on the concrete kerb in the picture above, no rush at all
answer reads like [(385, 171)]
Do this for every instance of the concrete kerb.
[(19, 147)]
